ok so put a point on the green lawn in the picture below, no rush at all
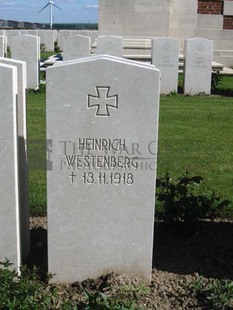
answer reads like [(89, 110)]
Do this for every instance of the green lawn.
[(36, 152), (195, 133)]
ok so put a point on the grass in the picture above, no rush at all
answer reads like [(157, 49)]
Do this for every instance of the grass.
[(195, 133), (36, 152)]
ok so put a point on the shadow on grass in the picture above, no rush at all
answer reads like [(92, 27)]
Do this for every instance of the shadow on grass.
[(222, 92), (205, 248), (38, 255)]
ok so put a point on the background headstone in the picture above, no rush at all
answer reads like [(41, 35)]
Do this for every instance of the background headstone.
[(76, 47), (101, 217), (2, 46), (10, 246), (110, 45), (26, 48), (22, 146), (47, 38), (61, 37), (11, 34), (165, 57), (198, 55)]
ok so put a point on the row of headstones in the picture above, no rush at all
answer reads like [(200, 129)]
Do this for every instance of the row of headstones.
[(101, 182), (48, 37), (25, 48), (198, 55)]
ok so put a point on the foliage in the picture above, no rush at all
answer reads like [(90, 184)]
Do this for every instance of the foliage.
[(40, 89), (217, 295), (26, 291), (172, 94), (182, 201), (78, 26), (216, 79), (100, 301), (42, 48)]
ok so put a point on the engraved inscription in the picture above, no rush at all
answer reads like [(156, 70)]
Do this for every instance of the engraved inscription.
[(72, 176), (76, 45), (24, 44), (109, 46), (200, 47), (104, 178), (166, 47), (102, 101)]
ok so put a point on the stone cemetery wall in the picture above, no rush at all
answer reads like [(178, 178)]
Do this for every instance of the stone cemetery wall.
[(110, 45), (179, 19), (27, 48), (76, 47), (134, 17), (183, 19), (102, 182), (10, 246), (198, 66), (165, 57)]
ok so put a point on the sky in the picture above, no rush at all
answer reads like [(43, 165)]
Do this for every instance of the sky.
[(72, 11)]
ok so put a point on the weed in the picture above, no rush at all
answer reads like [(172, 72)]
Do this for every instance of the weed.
[(216, 79), (181, 200), (217, 295), (172, 94), (26, 291), (100, 301)]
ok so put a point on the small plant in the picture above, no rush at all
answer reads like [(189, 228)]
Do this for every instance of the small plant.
[(40, 89), (26, 291), (172, 94), (100, 301), (181, 200), (216, 79), (42, 48), (217, 295)]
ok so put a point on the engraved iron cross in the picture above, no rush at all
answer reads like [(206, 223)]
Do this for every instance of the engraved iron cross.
[(102, 101), (24, 44)]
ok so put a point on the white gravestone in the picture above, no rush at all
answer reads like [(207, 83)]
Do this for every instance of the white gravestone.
[(165, 57), (2, 46), (10, 246), (22, 145), (26, 48), (76, 47), (198, 55), (11, 34), (61, 37), (101, 187), (47, 37), (110, 45)]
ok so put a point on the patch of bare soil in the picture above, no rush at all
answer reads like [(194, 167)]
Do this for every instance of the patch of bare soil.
[(182, 253)]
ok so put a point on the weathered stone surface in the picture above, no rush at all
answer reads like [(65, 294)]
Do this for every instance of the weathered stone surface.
[(22, 146), (198, 66), (165, 57), (100, 209), (10, 246), (76, 47), (26, 48), (110, 45)]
